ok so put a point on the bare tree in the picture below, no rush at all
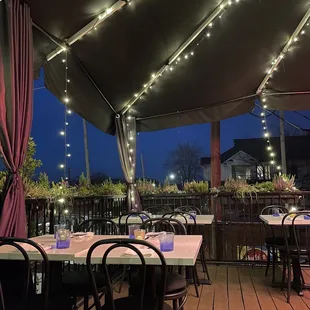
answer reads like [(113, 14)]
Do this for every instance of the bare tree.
[(184, 162)]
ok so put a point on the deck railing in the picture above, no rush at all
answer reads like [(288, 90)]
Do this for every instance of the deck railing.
[(237, 234)]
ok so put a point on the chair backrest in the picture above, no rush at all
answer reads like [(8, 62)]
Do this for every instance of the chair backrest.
[(18, 244), (188, 209), (141, 215), (100, 226), (184, 215), (157, 210), (164, 224), (131, 244), (299, 237), (270, 209)]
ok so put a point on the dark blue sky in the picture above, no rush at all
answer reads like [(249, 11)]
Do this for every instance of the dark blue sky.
[(48, 120)]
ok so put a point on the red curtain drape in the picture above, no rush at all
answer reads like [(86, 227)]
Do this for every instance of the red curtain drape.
[(16, 105)]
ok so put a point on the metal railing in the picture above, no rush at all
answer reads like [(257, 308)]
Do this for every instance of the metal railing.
[(237, 234)]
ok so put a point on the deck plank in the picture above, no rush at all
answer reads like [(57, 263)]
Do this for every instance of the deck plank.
[(221, 289), (207, 294), (248, 292), (265, 299), (234, 289)]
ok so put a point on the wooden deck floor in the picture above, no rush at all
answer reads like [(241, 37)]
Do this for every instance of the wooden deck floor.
[(238, 288)]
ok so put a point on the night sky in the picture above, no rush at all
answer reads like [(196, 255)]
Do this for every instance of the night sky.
[(48, 121)]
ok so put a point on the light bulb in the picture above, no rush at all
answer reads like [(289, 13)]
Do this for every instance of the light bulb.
[(265, 106), (136, 95), (66, 100), (66, 211), (68, 145), (272, 162), (153, 75), (237, 1), (60, 187), (109, 11), (210, 25), (303, 32), (67, 123), (129, 117), (144, 85), (63, 60), (69, 111), (296, 39), (266, 134), (69, 155), (192, 53), (68, 81), (264, 99), (222, 6), (264, 128), (208, 34), (62, 133), (269, 148), (279, 167), (131, 138), (61, 166), (179, 59), (263, 121), (262, 114), (272, 154), (229, 2), (131, 150), (61, 200), (186, 56), (171, 68)]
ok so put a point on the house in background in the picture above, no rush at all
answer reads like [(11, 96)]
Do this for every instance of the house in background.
[(249, 159)]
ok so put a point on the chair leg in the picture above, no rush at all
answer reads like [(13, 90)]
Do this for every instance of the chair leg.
[(122, 279), (85, 302), (175, 304), (195, 273), (283, 275), (203, 260), (268, 261), (289, 267), (195, 281), (273, 264)]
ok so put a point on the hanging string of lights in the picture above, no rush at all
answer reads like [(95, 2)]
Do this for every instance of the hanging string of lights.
[(185, 52), (261, 91), (68, 112)]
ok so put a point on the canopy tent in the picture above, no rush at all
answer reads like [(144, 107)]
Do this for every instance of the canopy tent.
[(119, 58)]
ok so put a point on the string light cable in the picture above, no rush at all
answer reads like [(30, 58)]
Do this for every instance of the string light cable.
[(185, 52)]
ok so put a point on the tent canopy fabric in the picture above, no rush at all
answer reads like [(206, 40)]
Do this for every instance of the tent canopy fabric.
[(111, 63)]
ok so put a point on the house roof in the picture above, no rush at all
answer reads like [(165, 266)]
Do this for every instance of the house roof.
[(297, 148), (110, 64)]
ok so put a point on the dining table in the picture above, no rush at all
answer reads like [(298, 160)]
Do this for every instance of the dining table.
[(185, 252)]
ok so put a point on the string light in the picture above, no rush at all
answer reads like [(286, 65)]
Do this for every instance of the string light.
[(182, 52), (266, 133), (300, 29)]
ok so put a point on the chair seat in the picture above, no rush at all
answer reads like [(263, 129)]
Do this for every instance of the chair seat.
[(274, 241), (174, 282), (134, 303), (36, 302), (77, 283)]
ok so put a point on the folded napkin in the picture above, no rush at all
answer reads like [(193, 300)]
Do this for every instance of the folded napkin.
[(144, 251)]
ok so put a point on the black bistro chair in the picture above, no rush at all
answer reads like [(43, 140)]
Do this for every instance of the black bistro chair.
[(140, 302), (24, 293), (123, 220), (176, 284), (188, 209), (296, 250), (76, 282), (192, 230), (272, 240)]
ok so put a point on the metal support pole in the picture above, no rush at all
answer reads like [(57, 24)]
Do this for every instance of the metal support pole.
[(87, 166), (282, 143)]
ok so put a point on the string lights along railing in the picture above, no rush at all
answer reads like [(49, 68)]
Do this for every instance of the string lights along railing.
[(182, 53), (64, 132)]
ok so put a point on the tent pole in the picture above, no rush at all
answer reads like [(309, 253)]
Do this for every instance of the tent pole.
[(216, 182), (86, 151), (282, 143)]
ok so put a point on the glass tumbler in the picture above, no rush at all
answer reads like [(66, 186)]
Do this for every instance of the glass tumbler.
[(63, 238), (166, 240)]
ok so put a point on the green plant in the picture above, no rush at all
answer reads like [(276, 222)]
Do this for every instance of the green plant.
[(3, 175), (196, 187), (285, 183), (30, 165), (109, 188), (239, 187), (265, 187), (146, 187)]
